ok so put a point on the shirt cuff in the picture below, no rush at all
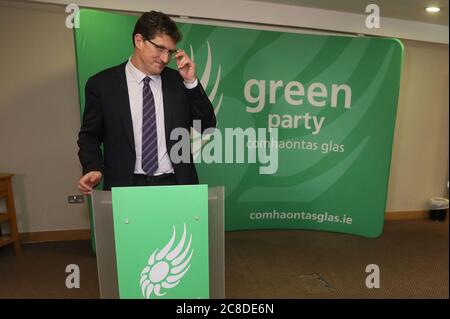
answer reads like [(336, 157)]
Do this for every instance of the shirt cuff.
[(191, 85)]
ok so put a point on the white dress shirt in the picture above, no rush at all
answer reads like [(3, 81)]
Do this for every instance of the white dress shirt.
[(135, 85)]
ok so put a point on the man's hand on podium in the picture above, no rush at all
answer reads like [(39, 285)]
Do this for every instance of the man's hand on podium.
[(89, 181)]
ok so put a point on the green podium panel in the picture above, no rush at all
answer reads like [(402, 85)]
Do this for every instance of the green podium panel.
[(161, 238)]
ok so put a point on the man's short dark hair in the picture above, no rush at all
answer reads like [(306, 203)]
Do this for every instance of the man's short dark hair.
[(153, 23)]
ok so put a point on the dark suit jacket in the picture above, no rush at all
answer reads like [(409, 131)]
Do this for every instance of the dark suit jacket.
[(107, 121)]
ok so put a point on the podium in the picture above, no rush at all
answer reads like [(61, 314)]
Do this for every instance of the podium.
[(170, 243)]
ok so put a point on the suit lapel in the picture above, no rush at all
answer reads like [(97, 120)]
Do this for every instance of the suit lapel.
[(168, 103), (123, 103)]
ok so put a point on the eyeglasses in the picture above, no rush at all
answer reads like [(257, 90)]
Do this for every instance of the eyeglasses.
[(163, 50)]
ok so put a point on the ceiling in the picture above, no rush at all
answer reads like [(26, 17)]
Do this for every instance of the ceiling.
[(413, 10)]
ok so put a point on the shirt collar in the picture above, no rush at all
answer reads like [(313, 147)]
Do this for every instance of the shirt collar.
[(138, 75)]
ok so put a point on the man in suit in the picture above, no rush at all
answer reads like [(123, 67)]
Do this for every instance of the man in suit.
[(132, 108)]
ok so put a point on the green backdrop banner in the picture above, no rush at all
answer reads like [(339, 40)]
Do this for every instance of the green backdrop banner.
[(325, 104)]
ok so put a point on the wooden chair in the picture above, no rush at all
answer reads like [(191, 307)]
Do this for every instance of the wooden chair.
[(9, 216)]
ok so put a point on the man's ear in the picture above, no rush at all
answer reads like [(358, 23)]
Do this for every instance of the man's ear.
[(138, 41)]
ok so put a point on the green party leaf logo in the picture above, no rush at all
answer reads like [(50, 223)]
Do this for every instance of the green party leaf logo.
[(166, 268), (199, 141)]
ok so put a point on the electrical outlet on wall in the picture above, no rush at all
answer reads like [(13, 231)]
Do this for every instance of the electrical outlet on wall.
[(75, 199)]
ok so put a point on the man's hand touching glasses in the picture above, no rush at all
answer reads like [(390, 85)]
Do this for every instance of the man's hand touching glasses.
[(186, 66)]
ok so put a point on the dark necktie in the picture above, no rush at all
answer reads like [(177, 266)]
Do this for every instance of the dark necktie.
[(149, 136)]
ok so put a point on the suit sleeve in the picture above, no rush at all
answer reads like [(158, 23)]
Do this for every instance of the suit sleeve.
[(201, 107), (90, 136)]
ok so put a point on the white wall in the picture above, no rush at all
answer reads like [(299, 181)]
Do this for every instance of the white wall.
[(275, 15), (419, 168), (39, 116)]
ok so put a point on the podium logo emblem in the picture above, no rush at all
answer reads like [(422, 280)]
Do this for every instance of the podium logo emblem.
[(166, 268)]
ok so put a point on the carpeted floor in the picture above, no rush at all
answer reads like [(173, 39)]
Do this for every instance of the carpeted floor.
[(412, 257), (39, 272)]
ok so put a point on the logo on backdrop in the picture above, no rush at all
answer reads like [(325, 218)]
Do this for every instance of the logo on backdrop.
[(198, 141), (166, 268), (233, 141)]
